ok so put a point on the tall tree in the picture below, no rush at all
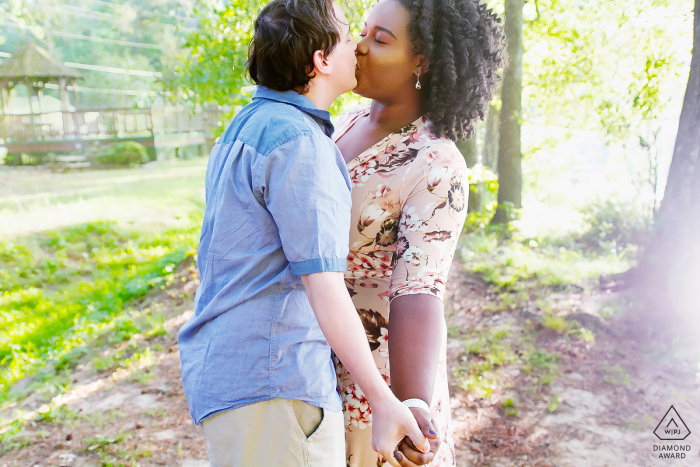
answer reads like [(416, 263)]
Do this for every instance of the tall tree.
[(669, 273), (509, 146), (490, 152)]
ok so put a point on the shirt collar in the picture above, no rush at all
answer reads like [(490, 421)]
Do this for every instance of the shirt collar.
[(299, 101)]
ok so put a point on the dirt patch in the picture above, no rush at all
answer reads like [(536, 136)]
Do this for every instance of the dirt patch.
[(599, 410)]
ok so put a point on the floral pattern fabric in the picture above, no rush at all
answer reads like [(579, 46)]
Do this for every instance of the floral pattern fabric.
[(409, 195)]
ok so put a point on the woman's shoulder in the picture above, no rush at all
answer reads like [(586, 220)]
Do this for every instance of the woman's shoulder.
[(349, 115), (437, 152)]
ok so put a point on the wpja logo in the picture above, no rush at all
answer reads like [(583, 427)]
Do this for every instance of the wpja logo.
[(672, 428)]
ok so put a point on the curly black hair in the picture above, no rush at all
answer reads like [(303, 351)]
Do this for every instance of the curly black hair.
[(465, 46)]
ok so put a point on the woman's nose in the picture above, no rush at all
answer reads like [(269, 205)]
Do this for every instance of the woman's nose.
[(361, 47)]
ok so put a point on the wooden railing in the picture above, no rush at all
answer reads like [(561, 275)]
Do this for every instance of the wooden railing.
[(105, 123)]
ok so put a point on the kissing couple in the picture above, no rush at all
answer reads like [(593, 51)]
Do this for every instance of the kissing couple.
[(320, 241)]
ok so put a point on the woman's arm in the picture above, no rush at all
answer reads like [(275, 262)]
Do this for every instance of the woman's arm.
[(415, 330), (415, 337)]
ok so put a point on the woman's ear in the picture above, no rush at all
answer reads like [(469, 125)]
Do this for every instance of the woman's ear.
[(421, 65)]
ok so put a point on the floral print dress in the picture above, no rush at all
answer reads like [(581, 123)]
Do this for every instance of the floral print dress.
[(409, 195)]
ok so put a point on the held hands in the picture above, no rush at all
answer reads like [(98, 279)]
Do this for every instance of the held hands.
[(393, 422), (408, 455)]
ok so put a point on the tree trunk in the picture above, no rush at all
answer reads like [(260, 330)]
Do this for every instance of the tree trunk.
[(490, 153), (470, 152), (669, 272), (509, 151)]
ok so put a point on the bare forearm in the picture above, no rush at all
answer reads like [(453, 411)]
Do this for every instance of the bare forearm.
[(343, 329), (336, 315), (415, 337)]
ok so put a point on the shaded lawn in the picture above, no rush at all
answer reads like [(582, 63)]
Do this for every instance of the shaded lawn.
[(151, 198)]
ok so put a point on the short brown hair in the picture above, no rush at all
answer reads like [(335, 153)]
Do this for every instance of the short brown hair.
[(287, 33)]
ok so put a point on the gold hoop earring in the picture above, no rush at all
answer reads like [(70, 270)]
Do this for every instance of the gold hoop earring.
[(418, 86)]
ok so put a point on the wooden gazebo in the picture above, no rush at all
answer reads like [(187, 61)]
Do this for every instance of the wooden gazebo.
[(166, 131), (35, 67)]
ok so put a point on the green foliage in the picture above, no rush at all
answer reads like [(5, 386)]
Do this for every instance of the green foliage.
[(58, 287), (513, 264), (555, 322), (586, 334), (14, 437), (553, 403), (604, 65), (613, 69), (616, 375), (212, 65), (99, 441), (543, 359), (492, 348), (483, 181), (487, 350), (125, 154), (510, 408), (612, 226), (542, 364)]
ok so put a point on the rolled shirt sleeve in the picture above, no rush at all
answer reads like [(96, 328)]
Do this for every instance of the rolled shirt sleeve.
[(306, 188)]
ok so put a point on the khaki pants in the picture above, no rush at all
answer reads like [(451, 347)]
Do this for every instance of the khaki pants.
[(276, 433)]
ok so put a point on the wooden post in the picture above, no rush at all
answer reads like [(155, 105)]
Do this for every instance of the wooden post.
[(39, 94), (9, 97), (30, 89), (75, 113), (65, 104), (75, 94), (2, 98), (30, 92), (63, 94)]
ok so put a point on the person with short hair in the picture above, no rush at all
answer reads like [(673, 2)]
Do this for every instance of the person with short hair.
[(272, 302)]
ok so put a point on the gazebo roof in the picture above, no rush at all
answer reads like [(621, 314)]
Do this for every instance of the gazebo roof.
[(31, 61)]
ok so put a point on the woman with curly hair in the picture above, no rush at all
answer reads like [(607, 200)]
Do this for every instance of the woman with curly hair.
[(430, 68)]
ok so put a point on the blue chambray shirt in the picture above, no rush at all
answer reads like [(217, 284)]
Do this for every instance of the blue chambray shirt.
[(277, 207)]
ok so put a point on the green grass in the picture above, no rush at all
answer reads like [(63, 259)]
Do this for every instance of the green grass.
[(486, 350), (72, 283), (150, 199), (616, 375), (518, 264)]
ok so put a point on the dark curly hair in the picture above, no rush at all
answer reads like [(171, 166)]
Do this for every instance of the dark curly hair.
[(287, 33), (465, 46)]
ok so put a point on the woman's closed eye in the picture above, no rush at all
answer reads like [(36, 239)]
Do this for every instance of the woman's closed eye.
[(375, 39), (377, 36)]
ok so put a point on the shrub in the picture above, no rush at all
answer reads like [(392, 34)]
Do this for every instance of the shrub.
[(613, 225), (124, 154), (484, 182)]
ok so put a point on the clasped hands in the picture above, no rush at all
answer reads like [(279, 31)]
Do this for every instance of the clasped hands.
[(406, 453)]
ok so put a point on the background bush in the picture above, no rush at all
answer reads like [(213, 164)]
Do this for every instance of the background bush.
[(126, 154), (613, 225)]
